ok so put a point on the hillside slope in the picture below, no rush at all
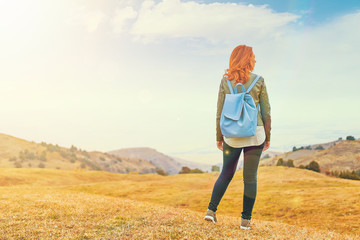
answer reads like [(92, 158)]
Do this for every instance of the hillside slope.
[(16, 152), (338, 155)]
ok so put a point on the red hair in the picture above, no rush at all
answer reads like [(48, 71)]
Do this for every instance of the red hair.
[(240, 64)]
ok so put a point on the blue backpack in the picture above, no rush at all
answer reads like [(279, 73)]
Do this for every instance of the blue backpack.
[(239, 113)]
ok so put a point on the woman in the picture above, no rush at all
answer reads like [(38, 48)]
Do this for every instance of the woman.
[(242, 62)]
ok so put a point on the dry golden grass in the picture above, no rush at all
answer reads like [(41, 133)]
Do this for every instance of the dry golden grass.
[(60, 204)]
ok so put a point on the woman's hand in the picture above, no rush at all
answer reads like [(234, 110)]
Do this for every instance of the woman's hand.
[(219, 145), (267, 145)]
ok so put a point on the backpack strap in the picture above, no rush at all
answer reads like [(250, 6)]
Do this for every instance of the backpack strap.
[(253, 83), (235, 88), (230, 87)]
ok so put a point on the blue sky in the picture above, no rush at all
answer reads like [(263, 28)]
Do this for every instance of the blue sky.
[(104, 75), (315, 11)]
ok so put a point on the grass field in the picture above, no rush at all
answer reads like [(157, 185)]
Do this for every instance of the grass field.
[(58, 204)]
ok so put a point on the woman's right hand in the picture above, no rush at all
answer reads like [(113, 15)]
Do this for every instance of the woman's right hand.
[(267, 145), (219, 145)]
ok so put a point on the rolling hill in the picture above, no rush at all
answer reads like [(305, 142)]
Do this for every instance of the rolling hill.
[(19, 153), (336, 155)]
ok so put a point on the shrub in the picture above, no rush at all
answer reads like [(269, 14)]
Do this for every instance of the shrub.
[(196, 170), (185, 170), (73, 148), (161, 172), (53, 148), (320, 147), (21, 156), (349, 175), (86, 154), (41, 165), (280, 162), (289, 163), (17, 165), (92, 165), (215, 168), (43, 156), (350, 138), (314, 166)]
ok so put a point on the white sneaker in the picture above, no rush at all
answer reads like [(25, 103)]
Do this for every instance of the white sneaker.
[(210, 216), (245, 224)]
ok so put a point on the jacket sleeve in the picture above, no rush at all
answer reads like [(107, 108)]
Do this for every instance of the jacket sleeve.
[(265, 111), (220, 103)]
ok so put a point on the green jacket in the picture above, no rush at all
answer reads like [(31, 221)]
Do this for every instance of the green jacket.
[(259, 94)]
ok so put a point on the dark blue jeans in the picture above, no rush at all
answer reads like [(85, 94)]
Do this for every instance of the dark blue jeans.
[(251, 163)]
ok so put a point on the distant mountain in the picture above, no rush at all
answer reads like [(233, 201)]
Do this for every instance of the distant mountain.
[(165, 162), (335, 155), (202, 166), (16, 152)]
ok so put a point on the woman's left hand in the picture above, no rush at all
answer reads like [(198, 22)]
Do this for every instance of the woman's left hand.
[(267, 145), (219, 145)]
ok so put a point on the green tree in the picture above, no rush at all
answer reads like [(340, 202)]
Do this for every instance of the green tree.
[(73, 148), (185, 169), (349, 175), (215, 168), (280, 162), (196, 170), (314, 166), (350, 138), (161, 172), (290, 163)]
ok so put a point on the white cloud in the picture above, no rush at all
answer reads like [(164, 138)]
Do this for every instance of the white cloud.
[(121, 16), (214, 22)]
